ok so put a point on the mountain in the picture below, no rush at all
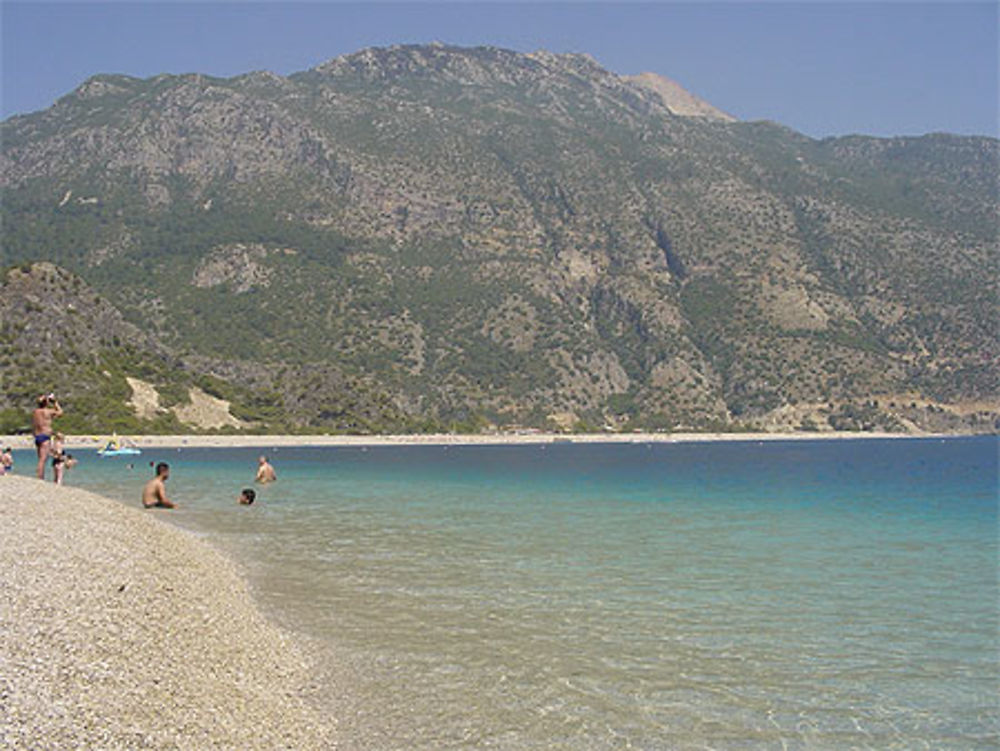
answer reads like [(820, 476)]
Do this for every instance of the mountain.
[(677, 99), (435, 237), (57, 334)]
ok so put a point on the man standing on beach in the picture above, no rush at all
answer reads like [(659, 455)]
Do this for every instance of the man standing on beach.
[(154, 495), (41, 425), (265, 472)]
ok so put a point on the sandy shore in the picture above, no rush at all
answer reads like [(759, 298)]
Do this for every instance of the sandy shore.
[(120, 631), (505, 439)]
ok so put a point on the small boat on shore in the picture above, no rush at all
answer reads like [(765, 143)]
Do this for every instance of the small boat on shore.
[(118, 447)]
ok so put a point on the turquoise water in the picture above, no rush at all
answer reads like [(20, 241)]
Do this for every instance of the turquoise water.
[(824, 595)]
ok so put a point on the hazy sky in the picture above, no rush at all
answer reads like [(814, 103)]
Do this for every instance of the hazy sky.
[(822, 68)]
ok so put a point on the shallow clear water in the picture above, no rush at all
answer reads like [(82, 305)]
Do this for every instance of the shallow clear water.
[(822, 595)]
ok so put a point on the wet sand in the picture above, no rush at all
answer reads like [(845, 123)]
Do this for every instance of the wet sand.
[(120, 631)]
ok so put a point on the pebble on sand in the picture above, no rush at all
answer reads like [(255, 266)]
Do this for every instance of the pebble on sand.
[(123, 632)]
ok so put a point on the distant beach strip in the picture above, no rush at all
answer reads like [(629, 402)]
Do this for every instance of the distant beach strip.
[(528, 437), (123, 632)]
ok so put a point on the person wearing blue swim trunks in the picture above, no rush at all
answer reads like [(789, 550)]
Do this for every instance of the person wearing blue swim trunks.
[(41, 425)]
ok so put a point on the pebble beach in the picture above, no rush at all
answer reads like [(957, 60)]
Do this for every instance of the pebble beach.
[(120, 631)]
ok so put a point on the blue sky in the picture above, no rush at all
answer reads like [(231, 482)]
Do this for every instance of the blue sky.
[(822, 68)]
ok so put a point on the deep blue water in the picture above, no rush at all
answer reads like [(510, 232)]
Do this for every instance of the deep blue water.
[(822, 594)]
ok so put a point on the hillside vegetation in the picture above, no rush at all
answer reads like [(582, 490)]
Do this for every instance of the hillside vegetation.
[(430, 237)]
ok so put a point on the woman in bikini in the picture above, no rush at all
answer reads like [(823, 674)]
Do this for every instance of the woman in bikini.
[(59, 457)]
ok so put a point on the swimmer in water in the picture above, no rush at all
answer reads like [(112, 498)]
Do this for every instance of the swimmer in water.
[(265, 472), (154, 494)]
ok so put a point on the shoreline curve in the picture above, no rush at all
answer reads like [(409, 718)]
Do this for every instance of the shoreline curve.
[(466, 439), (125, 632)]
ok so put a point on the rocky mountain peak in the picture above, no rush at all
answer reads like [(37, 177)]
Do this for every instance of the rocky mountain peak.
[(539, 71), (104, 84), (679, 100), (400, 61), (444, 63)]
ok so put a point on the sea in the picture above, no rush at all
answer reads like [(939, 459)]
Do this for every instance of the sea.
[(837, 594)]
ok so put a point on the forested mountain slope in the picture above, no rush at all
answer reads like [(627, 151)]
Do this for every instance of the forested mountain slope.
[(425, 237)]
